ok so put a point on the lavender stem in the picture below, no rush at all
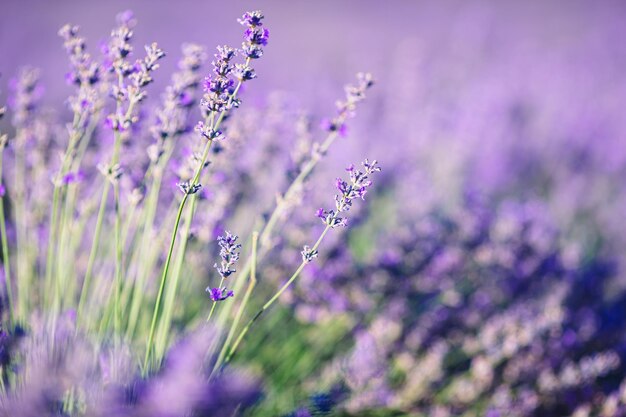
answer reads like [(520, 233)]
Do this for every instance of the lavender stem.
[(5, 246), (271, 301), (194, 182)]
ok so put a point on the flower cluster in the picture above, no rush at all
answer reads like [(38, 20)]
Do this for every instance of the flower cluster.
[(308, 254), (138, 74), (64, 371), (219, 294), (172, 115), (27, 92), (256, 36), (142, 74), (346, 108), (229, 252), (357, 187), (119, 46), (219, 85), (85, 72), (187, 188)]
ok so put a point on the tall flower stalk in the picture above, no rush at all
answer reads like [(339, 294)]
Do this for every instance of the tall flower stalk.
[(171, 123), (27, 93), (128, 89), (3, 227), (84, 74), (229, 252), (355, 188), (336, 127), (219, 99)]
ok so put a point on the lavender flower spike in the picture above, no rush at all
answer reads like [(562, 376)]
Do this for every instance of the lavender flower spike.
[(217, 86), (359, 182), (229, 252), (346, 109), (308, 254), (356, 188)]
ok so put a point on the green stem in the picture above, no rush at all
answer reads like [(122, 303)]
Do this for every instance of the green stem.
[(99, 221), (214, 303), (268, 227), (19, 202), (118, 237), (67, 247), (118, 258), (157, 305), (55, 216), (271, 301), (5, 247), (94, 251), (251, 284), (136, 286), (193, 183), (170, 298)]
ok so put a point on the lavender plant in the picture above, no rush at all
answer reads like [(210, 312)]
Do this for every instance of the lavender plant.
[(93, 307), (357, 188), (483, 276)]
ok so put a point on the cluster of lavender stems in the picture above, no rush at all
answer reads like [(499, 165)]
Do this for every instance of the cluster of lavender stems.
[(484, 276), (218, 101), (356, 188), (3, 228), (125, 82), (345, 109)]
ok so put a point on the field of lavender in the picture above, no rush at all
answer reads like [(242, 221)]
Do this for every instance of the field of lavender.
[(342, 208)]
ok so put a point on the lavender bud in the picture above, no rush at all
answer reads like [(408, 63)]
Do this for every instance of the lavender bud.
[(349, 191), (229, 252), (308, 254), (225, 53), (112, 173), (219, 294), (188, 188), (207, 132), (252, 19), (244, 72)]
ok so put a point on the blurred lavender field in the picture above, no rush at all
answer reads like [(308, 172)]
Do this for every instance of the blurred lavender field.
[(483, 274)]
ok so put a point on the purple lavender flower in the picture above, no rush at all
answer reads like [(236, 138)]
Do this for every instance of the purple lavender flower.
[(256, 37), (139, 73), (308, 254), (84, 70), (207, 132), (73, 177), (27, 92), (85, 73), (172, 116), (218, 85), (244, 72), (187, 188), (229, 252), (346, 109), (357, 188), (252, 19), (219, 294)]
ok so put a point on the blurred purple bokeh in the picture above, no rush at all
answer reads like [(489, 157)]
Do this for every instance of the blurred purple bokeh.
[(333, 38)]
